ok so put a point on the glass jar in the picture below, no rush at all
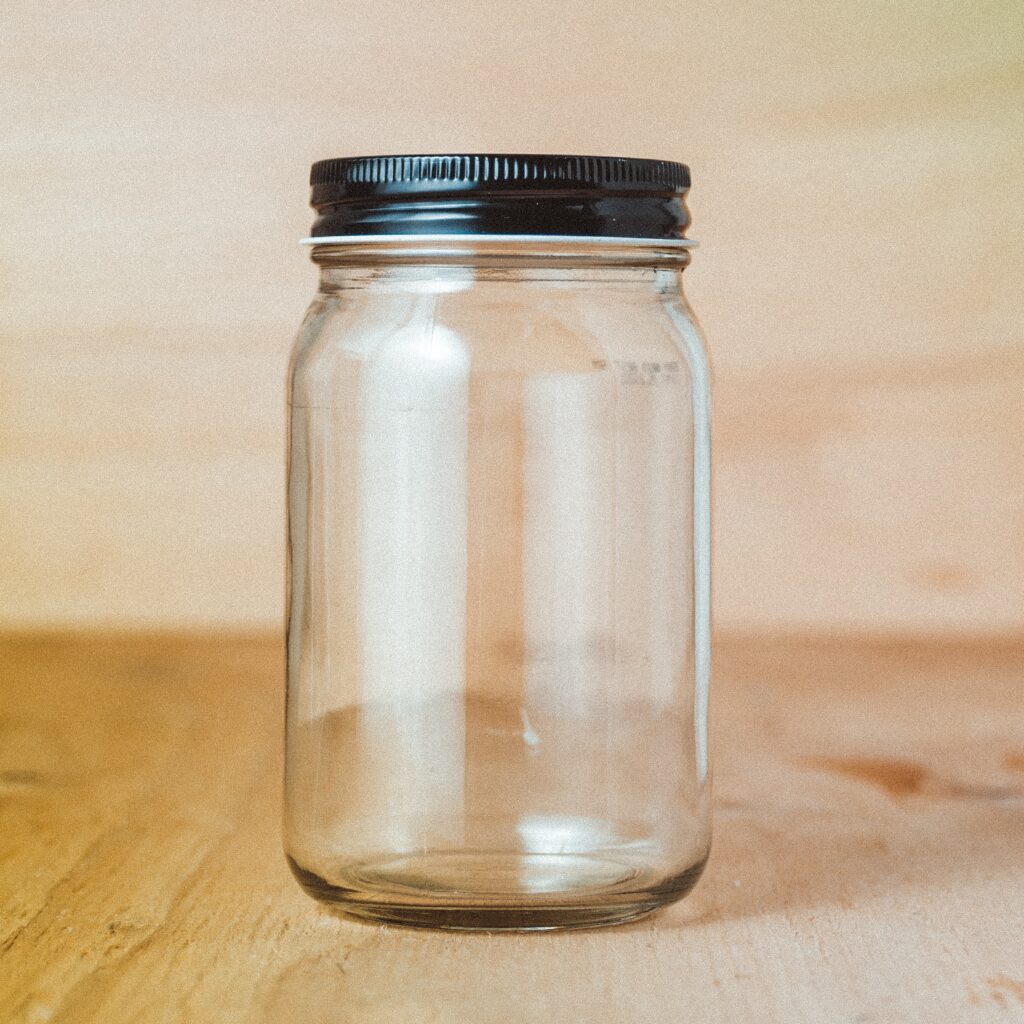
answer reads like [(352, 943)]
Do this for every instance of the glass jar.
[(499, 534)]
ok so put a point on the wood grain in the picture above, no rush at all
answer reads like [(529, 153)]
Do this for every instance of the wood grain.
[(857, 171), (867, 864)]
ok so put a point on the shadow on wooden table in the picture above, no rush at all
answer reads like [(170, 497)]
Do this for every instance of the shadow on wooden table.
[(869, 819), (770, 861), (884, 859)]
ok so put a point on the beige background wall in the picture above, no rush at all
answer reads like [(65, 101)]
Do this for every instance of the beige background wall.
[(858, 177)]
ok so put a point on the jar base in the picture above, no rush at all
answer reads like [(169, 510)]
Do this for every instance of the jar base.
[(497, 892)]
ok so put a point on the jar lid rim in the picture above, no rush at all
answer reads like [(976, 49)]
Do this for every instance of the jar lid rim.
[(456, 172), (500, 193)]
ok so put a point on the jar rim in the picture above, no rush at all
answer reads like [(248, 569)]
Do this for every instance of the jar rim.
[(472, 240)]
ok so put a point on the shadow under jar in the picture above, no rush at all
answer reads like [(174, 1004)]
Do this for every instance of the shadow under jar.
[(499, 533)]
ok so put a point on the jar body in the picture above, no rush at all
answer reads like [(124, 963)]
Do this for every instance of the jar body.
[(498, 626)]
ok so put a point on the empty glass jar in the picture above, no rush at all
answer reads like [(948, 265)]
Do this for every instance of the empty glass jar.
[(498, 504)]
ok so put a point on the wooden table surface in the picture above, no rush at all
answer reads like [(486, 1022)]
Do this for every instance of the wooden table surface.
[(868, 861)]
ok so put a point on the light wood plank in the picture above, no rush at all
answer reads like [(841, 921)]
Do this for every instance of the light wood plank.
[(857, 173)]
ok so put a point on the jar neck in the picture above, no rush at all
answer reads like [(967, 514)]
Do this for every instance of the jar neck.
[(496, 252)]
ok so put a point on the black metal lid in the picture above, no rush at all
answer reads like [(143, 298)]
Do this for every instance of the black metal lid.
[(500, 194)]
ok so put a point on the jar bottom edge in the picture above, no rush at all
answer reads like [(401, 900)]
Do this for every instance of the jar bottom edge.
[(413, 892)]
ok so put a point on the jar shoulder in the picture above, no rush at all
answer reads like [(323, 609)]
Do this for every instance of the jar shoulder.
[(499, 330)]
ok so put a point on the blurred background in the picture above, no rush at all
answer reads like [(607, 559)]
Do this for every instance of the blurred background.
[(858, 172)]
